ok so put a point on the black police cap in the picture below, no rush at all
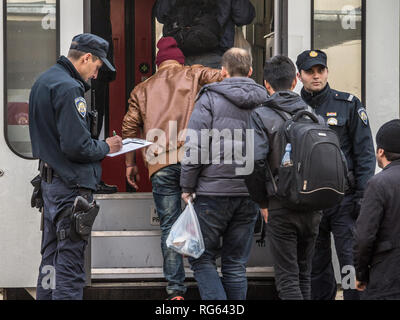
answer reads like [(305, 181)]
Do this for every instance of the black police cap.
[(309, 58), (90, 43), (388, 136)]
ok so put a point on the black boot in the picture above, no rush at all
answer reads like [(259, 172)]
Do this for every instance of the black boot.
[(103, 188)]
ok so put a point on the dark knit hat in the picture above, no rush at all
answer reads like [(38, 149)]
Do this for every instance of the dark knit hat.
[(388, 136), (168, 50)]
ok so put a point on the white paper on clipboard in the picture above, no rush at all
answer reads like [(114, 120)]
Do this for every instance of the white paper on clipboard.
[(129, 145)]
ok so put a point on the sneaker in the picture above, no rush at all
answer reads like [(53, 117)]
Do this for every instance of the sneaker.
[(176, 296), (103, 188)]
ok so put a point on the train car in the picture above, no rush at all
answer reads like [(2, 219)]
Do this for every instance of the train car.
[(361, 38)]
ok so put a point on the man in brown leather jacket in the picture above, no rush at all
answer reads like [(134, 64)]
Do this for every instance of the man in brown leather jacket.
[(159, 111)]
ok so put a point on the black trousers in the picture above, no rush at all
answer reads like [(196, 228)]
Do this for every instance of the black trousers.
[(340, 221), (292, 237)]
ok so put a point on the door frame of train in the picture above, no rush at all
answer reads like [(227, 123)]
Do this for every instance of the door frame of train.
[(134, 30)]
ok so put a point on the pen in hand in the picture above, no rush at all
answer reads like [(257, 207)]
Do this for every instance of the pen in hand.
[(114, 142)]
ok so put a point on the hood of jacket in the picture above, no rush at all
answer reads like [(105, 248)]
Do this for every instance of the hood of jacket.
[(240, 91), (287, 101)]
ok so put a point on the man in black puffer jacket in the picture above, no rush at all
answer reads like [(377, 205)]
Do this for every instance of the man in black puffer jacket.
[(213, 168), (222, 17)]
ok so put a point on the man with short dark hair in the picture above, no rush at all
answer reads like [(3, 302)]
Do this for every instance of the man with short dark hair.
[(345, 114), (291, 234), (377, 240), (211, 169), (69, 161)]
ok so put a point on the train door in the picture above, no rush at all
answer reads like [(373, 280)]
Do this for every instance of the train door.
[(132, 41)]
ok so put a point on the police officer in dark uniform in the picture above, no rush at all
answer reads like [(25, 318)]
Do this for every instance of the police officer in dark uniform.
[(345, 114), (69, 161)]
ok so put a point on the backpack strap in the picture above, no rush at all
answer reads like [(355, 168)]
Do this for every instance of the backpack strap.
[(282, 113)]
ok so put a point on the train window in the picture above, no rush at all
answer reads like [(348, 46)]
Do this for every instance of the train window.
[(338, 30), (30, 47)]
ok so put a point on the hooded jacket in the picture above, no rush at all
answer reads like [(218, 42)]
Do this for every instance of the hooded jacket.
[(217, 137), (266, 123)]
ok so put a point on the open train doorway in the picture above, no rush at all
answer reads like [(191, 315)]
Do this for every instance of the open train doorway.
[(129, 27), (133, 31)]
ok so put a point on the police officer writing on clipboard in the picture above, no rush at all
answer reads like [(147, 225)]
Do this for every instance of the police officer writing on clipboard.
[(345, 114), (69, 160)]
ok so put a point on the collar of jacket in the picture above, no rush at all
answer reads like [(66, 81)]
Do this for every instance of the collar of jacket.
[(168, 63), (67, 65), (316, 99), (392, 164)]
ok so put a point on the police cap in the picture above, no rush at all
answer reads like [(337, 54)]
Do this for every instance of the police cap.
[(90, 43), (309, 58), (388, 136)]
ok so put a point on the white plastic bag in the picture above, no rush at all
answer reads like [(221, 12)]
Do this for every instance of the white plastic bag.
[(185, 236)]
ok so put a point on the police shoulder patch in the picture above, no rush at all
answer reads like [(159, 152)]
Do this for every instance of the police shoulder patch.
[(344, 96), (80, 104), (363, 115)]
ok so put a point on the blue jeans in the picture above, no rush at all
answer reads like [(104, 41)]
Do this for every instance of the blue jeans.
[(233, 219), (338, 220), (167, 198), (65, 257)]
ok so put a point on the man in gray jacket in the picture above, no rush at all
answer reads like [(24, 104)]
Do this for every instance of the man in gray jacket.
[(212, 169)]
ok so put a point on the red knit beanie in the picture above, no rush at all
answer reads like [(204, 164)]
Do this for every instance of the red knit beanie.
[(168, 50)]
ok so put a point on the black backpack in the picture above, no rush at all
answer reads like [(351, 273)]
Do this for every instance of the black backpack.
[(194, 25), (316, 177)]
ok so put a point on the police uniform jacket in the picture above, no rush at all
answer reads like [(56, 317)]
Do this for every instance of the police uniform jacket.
[(345, 114), (60, 127), (377, 235)]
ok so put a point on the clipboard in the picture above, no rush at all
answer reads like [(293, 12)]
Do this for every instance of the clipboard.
[(129, 145)]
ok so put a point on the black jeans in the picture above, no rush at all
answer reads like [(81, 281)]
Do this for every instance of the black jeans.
[(292, 237)]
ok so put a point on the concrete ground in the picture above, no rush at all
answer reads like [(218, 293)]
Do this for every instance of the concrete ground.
[(339, 295)]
